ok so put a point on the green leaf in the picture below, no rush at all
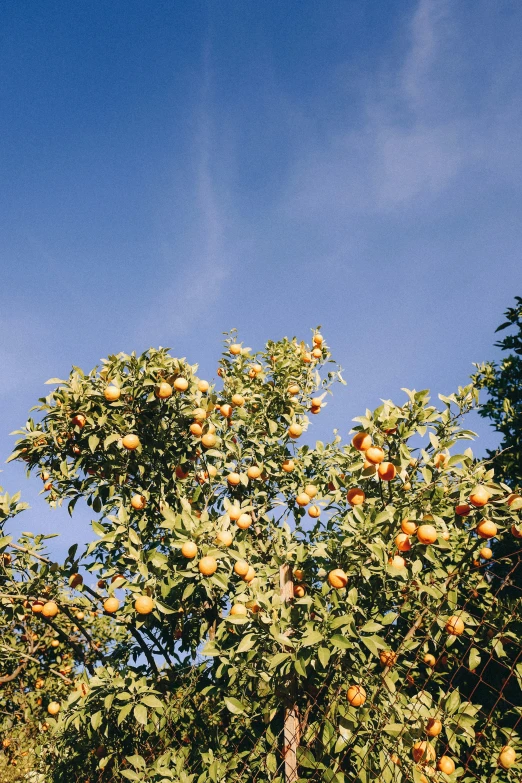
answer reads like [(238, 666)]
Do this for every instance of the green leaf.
[(474, 658), (140, 713), (234, 706), (311, 638), (340, 641), (246, 643), (93, 442)]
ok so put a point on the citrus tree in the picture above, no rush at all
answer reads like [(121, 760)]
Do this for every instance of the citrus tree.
[(291, 612)]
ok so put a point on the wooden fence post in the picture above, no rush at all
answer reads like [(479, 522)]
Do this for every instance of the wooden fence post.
[(292, 729)]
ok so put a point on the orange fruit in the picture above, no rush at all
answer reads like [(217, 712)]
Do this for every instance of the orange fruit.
[(514, 501), (423, 751), (302, 499), (235, 349), (234, 479), (408, 526), (306, 357), (361, 441), (39, 684), (75, 580), (80, 616), (317, 353), (53, 708), (224, 537), (209, 440), (138, 502), (181, 384), (338, 578), (244, 521), (238, 400), (515, 532), (295, 430), (112, 393), (288, 466), (315, 409), (203, 386), (479, 496), (397, 561), (486, 553), (50, 609), (253, 472), (111, 605), (78, 420), (316, 402), (144, 604), (293, 389), (429, 660), (241, 567), (163, 390), (427, 534), (440, 460), (189, 550), (298, 574), (225, 410), (387, 657), (207, 565), (433, 727), (196, 429), (314, 512), (311, 490), (250, 574), (234, 512), (238, 610), (374, 455), (318, 339), (356, 496), (299, 591), (486, 529), (507, 757), (402, 542), (387, 471), (55, 643), (463, 509), (455, 626), (199, 415), (130, 442), (356, 695), (446, 764)]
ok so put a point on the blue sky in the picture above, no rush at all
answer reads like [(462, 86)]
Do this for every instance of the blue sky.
[(174, 169)]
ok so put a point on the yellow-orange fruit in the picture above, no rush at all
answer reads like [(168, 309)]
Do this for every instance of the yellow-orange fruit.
[(486, 553), (226, 410), (235, 349), (241, 567), (224, 537), (163, 391), (53, 708), (112, 393), (234, 512), (440, 460), (463, 509), (514, 501), (130, 442), (455, 626), (317, 353), (295, 430), (486, 529), (144, 604), (446, 764), (433, 727), (318, 339), (311, 490), (423, 751), (298, 574), (80, 616), (207, 565), (138, 502), (189, 550), (250, 574), (516, 533), (209, 440), (302, 499), (314, 512), (199, 415), (196, 429), (253, 472), (75, 580), (234, 479), (397, 561), (427, 534), (479, 496), (408, 526), (402, 542), (244, 521), (374, 455), (238, 610), (338, 578), (387, 657), (356, 496), (37, 607), (203, 386), (361, 441), (55, 643), (111, 605), (293, 389), (288, 466), (50, 609), (299, 591), (387, 471), (429, 660), (181, 384), (79, 420), (507, 757), (238, 400), (356, 695)]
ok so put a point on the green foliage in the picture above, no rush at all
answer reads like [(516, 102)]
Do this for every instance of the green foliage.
[(200, 681)]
